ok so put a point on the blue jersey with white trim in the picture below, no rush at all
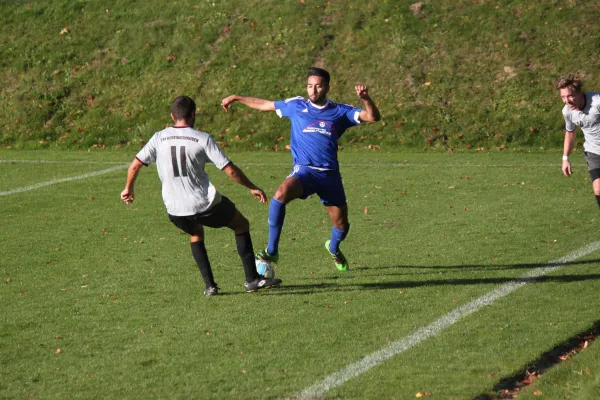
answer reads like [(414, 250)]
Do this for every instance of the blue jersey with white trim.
[(315, 130)]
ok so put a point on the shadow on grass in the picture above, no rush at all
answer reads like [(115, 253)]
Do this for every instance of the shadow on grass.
[(478, 281), (490, 267), (320, 287), (509, 387)]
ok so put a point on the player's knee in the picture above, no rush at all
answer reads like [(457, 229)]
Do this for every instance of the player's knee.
[(239, 224), (279, 195)]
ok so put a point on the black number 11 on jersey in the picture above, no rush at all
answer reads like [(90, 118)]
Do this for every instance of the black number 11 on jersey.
[(181, 161)]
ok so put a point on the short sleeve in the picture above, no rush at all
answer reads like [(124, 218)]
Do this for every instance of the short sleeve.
[(569, 125), (352, 114), (148, 153), (286, 108), (215, 154)]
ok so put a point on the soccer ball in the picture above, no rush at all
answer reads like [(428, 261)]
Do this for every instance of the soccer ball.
[(265, 268)]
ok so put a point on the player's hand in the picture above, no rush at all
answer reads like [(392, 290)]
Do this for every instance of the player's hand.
[(260, 195), (227, 101), (127, 196), (566, 168), (362, 91)]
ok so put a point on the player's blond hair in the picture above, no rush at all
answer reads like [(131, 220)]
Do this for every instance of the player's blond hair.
[(570, 82)]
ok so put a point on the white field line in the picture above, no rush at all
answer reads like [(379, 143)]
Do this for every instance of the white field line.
[(90, 162), (374, 359), (55, 181)]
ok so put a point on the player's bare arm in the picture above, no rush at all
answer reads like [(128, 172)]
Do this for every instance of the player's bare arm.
[(127, 195), (370, 112), (568, 146), (238, 176), (252, 102)]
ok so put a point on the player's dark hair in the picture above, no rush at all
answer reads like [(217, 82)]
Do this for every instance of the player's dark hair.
[(183, 108), (570, 82), (320, 72)]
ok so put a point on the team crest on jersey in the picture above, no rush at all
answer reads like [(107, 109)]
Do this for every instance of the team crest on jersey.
[(321, 127)]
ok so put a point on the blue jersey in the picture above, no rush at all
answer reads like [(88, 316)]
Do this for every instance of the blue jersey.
[(316, 130)]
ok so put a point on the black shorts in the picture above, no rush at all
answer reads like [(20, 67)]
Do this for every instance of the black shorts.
[(593, 163), (217, 217)]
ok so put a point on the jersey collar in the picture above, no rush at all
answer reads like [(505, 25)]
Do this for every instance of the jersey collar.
[(320, 107)]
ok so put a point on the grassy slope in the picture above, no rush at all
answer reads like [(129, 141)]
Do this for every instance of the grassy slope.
[(478, 72)]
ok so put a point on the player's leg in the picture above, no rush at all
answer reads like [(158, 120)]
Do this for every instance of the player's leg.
[(201, 257), (241, 227), (195, 230), (339, 231), (596, 186), (593, 163), (243, 242), (333, 197), (291, 188)]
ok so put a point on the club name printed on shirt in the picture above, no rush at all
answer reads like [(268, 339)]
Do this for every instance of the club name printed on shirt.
[(179, 138)]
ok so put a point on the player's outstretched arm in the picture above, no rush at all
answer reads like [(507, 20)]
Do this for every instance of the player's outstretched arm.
[(370, 112), (238, 176), (568, 146), (252, 102), (127, 195)]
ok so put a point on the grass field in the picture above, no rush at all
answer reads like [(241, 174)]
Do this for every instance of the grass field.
[(116, 290)]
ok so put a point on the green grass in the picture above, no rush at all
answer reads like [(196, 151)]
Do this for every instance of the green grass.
[(116, 289), (462, 74)]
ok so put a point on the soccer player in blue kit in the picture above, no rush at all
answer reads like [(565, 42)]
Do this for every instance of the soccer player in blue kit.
[(317, 125)]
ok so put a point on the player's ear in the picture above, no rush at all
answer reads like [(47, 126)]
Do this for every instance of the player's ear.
[(173, 117)]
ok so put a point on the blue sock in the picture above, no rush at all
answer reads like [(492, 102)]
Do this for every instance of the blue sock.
[(276, 217), (337, 235)]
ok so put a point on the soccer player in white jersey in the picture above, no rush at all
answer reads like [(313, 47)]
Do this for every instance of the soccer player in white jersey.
[(180, 153), (582, 109), (317, 125)]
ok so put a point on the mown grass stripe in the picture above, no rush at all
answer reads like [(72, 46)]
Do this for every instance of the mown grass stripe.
[(422, 334)]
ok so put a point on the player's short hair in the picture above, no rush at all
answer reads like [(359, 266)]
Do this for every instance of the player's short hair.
[(320, 72), (183, 108), (570, 82)]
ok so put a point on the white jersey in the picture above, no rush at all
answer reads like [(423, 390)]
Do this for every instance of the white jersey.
[(588, 120), (180, 155)]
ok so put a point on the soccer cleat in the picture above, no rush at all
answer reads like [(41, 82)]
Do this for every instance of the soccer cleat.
[(211, 291), (340, 261), (265, 256), (261, 283)]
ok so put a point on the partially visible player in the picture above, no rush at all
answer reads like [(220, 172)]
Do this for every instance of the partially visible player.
[(317, 125), (180, 153), (581, 110)]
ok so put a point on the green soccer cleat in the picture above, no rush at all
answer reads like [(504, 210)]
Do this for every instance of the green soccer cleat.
[(340, 261), (265, 256)]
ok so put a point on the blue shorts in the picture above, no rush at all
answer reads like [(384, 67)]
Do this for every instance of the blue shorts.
[(326, 184)]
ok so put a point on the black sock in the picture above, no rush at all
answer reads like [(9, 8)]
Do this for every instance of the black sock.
[(201, 257), (598, 200), (243, 243)]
